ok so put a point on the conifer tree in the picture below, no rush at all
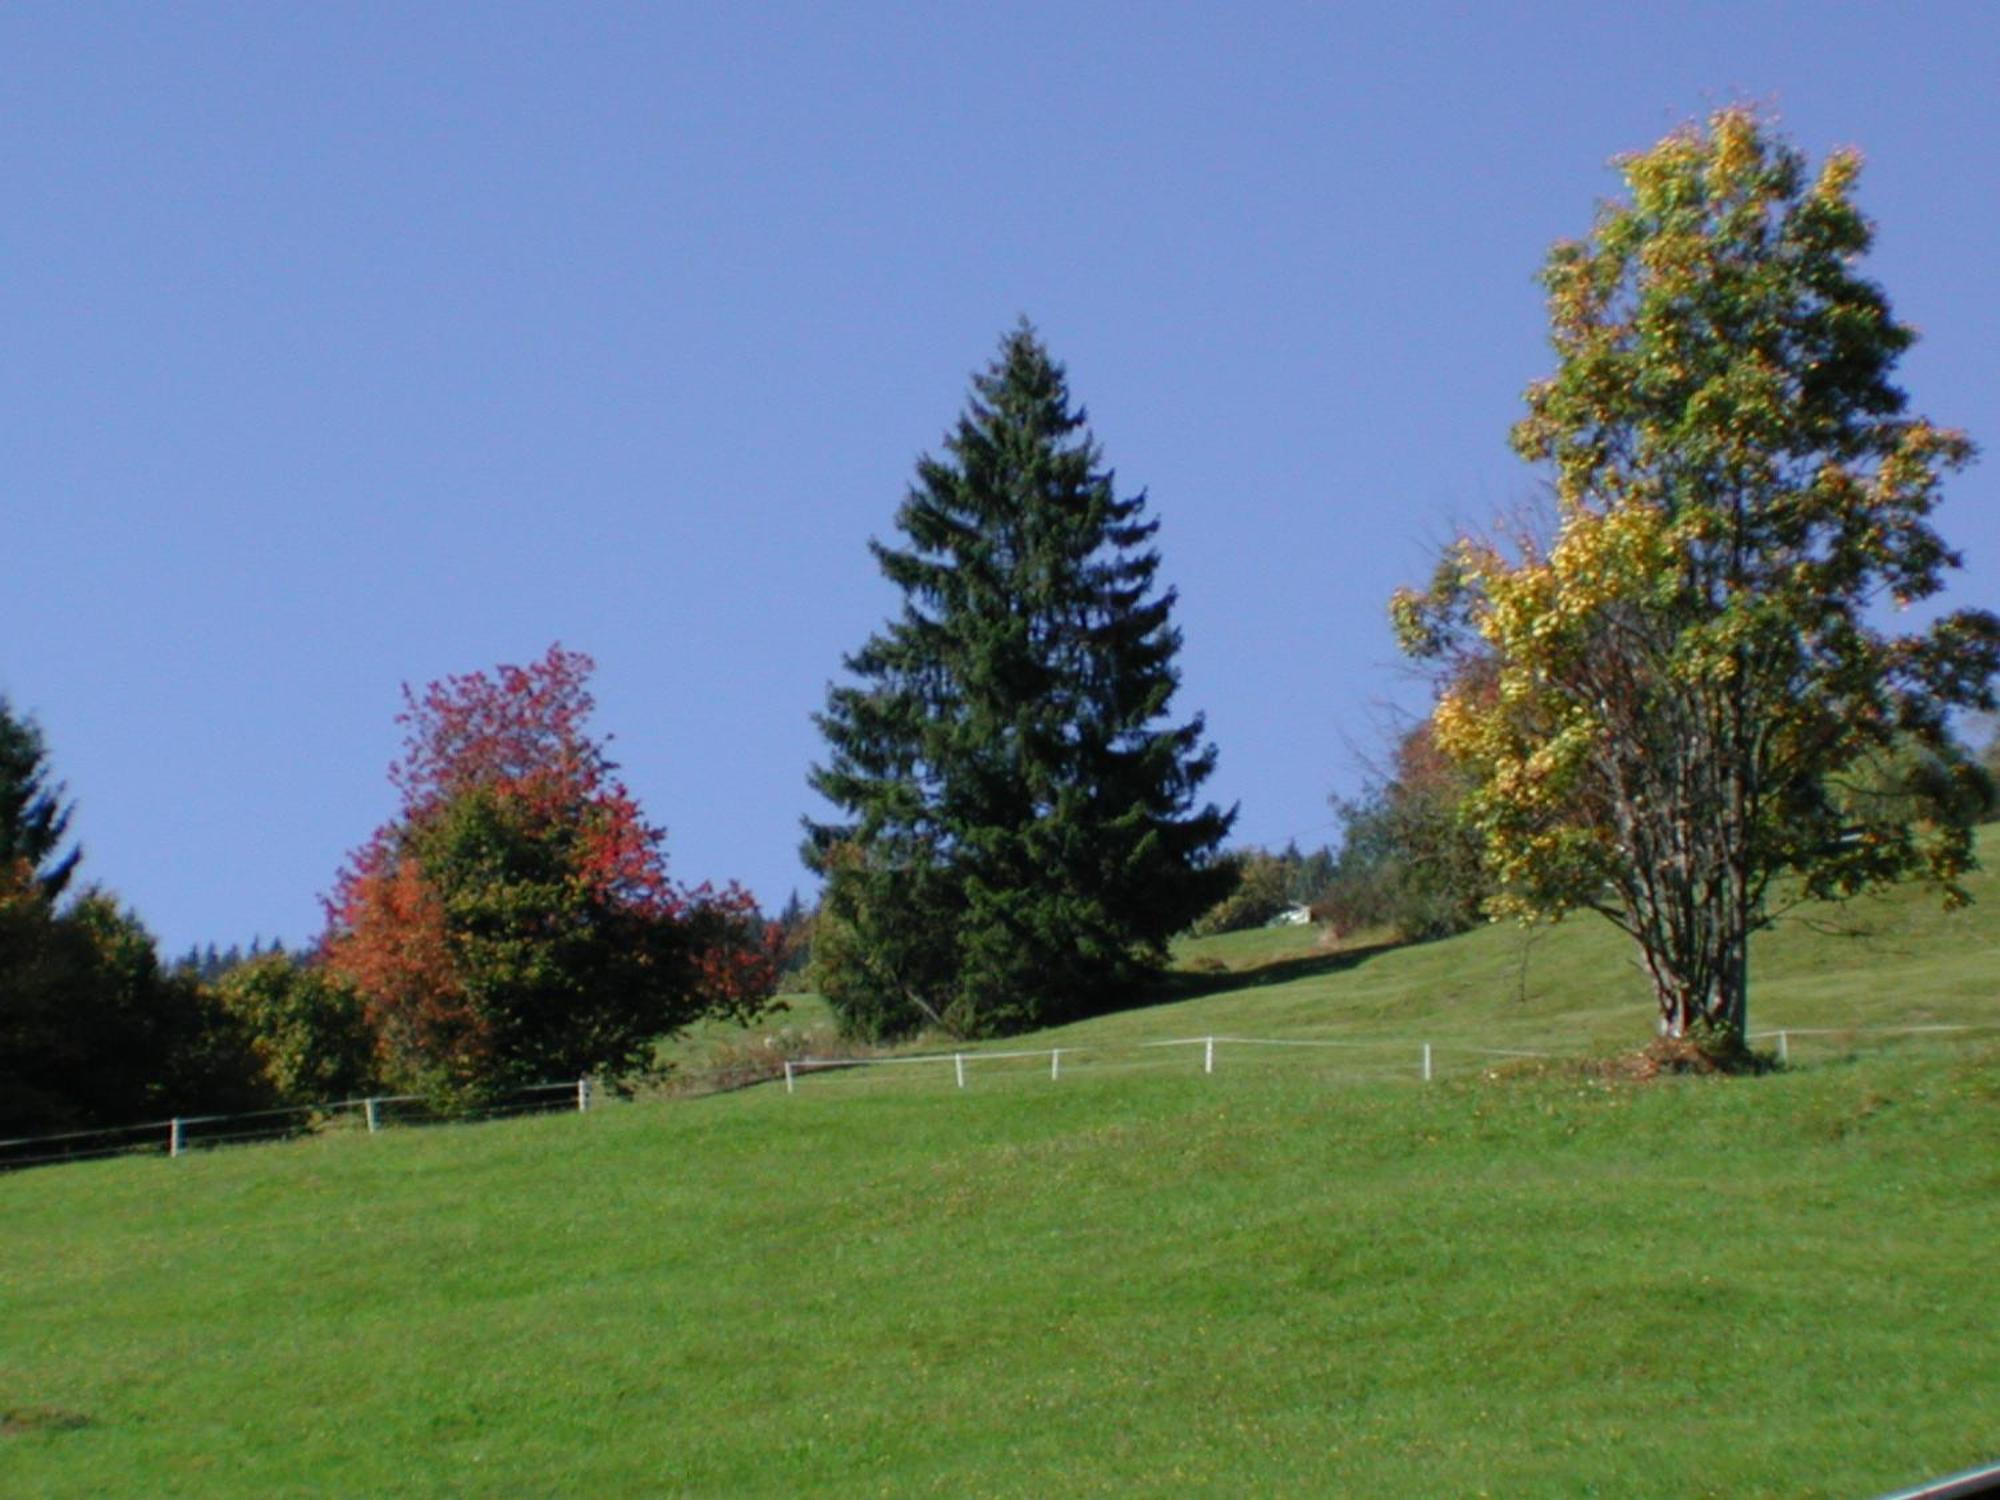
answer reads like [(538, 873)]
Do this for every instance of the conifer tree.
[(33, 816), (1018, 834)]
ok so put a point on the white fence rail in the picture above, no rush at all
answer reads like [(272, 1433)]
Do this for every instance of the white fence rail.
[(1389, 1057), (1417, 1059), (181, 1134)]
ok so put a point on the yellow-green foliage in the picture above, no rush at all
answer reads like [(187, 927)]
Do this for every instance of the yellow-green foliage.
[(306, 1027), (1684, 676)]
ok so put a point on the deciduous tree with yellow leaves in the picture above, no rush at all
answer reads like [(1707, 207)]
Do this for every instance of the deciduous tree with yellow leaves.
[(1693, 666)]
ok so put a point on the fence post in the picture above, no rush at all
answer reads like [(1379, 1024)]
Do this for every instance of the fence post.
[(1427, 1062), (582, 1096), (374, 1122), (1784, 1048), (1055, 1063), (176, 1141), (958, 1061), (788, 1076), (1208, 1055)]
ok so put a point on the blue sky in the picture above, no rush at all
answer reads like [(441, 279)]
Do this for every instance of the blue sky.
[(360, 344)]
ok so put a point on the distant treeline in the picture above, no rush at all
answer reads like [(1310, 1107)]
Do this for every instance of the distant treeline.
[(207, 963)]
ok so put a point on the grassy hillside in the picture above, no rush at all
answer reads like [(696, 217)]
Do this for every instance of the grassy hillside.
[(1888, 961), (1305, 1274)]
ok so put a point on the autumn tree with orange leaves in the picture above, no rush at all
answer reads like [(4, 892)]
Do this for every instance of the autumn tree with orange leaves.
[(515, 923)]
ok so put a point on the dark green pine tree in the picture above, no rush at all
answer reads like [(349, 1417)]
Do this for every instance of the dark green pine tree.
[(1018, 836), (33, 816)]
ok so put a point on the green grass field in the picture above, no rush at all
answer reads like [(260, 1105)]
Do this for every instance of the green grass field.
[(1305, 1274)]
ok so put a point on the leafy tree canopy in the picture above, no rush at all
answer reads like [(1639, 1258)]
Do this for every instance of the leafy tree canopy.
[(306, 1025), (516, 923), (1695, 666), (93, 1032), (1407, 861)]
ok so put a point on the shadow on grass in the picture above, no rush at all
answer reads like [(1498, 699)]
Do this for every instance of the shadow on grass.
[(1200, 984)]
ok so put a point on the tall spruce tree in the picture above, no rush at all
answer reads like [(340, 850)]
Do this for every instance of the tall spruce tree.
[(1019, 835)]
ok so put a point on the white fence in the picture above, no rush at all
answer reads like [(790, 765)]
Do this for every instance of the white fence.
[(1375, 1059), (184, 1133), (1418, 1060)]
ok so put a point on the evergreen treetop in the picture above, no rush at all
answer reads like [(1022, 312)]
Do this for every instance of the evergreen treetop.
[(33, 816)]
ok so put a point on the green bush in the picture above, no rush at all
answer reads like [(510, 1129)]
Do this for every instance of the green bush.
[(306, 1026)]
